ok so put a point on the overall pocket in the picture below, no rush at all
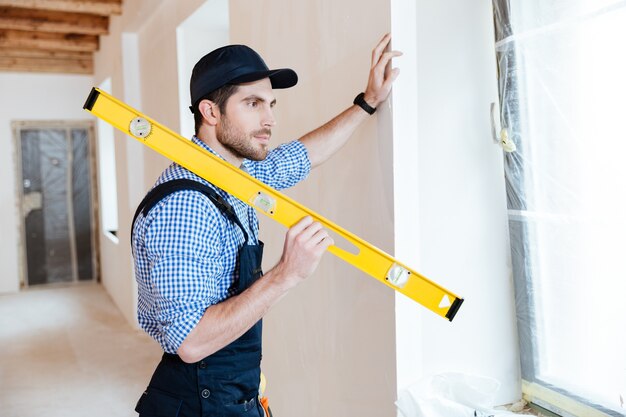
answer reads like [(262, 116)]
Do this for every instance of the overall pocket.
[(249, 408), (157, 403), (234, 389)]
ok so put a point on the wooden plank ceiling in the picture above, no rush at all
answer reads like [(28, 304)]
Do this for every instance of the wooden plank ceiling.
[(53, 35)]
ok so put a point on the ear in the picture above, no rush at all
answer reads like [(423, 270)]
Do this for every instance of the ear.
[(210, 111)]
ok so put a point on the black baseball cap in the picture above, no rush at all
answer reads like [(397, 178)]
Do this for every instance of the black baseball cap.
[(234, 64)]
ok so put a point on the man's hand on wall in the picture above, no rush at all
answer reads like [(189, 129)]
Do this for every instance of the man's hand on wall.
[(382, 75)]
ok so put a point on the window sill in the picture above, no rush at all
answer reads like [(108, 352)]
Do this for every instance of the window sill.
[(557, 402), (111, 234)]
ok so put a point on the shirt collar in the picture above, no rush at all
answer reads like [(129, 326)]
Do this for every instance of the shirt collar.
[(204, 146)]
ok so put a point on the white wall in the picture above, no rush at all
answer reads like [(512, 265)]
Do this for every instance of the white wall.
[(206, 29), (139, 56), (131, 73), (452, 185), (409, 337), (26, 96)]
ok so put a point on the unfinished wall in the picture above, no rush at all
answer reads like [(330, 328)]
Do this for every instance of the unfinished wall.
[(26, 96), (330, 345)]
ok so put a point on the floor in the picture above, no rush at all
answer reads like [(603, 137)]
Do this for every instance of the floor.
[(68, 351)]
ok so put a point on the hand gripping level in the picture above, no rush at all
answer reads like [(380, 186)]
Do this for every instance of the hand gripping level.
[(270, 202)]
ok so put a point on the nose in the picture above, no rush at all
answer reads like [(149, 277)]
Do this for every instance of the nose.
[(268, 118)]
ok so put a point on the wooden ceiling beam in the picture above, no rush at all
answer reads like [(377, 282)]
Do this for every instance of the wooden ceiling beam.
[(99, 7), (33, 64), (41, 53), (40, 40), (52, 21), (53, 35)]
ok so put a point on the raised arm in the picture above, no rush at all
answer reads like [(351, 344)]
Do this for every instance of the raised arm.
[(327, 139)]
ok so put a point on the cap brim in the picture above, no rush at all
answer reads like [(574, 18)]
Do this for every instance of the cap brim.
[(280, 78)]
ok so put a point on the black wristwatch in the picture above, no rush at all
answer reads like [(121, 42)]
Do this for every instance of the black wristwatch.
[(360, 101)]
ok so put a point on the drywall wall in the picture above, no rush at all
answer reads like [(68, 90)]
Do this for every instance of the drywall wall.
[(330, 345), (25, 96)]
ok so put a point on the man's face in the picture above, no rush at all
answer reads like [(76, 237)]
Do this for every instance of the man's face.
[(245, 126)]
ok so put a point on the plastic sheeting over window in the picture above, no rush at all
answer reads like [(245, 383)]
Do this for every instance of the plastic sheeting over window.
[(562, 70), (453, 395)]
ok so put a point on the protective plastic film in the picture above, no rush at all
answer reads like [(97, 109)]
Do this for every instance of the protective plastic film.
[(562, 87)]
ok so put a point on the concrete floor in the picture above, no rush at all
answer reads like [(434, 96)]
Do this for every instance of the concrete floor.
[(67, 351)]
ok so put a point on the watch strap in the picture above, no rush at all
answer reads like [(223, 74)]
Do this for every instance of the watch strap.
[(359, 100)]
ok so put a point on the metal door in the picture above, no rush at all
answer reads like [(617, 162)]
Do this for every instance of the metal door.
[(56, 203)]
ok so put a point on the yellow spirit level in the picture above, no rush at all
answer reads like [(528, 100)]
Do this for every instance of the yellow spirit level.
[(270, 202)]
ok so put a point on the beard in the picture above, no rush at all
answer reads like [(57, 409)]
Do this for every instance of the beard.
[(240, 143)]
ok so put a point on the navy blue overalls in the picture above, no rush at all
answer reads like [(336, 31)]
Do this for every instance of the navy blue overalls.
[(226, 383)]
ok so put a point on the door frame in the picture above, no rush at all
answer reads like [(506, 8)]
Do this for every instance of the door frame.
[(16, 127)]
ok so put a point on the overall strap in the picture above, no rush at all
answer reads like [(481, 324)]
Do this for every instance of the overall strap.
[(163, 190)]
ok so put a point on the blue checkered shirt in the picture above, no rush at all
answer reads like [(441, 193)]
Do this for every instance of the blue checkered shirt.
[(186, 250)]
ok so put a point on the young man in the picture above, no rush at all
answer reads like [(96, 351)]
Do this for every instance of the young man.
[(197, 257)]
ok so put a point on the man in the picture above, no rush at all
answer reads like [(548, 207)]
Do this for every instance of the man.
[(197, 256)]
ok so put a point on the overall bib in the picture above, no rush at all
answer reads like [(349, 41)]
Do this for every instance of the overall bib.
[(226, 383)]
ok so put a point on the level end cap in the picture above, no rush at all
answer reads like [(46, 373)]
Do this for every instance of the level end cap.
[(454, 308), (91, 100)]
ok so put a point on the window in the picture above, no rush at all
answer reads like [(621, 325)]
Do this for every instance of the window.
[(107, 171), (562, 86)]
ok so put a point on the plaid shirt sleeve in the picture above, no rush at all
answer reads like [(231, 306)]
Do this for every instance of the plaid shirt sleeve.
[(184, 243), (284, 166)]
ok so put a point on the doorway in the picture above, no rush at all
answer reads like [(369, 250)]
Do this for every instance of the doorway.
[(55, 187)]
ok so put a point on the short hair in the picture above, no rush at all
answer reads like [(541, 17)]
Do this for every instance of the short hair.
[(219, 97)]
